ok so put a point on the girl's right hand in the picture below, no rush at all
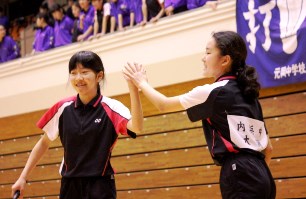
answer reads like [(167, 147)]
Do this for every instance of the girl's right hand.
[(136, 73), (19, 185)]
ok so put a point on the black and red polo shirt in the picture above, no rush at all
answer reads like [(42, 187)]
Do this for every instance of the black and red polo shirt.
[(230, 122), (88, 133)]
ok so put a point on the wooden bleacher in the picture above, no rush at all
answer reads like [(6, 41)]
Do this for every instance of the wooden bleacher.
[(170, 159)]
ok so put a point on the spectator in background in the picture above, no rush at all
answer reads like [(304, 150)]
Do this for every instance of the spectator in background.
[(87, 18), (136, 16), (4, 19), (62, 28), (68, 9), (77, 25), (192, 4), (44, 36), (43, 8), (102, 17), (120, 14), (152, 10), (175, 6), (8, 47)]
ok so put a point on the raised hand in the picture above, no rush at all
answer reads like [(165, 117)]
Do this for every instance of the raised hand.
[(136, 73)]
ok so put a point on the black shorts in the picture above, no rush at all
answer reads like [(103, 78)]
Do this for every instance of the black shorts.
[(102, 187), (245, 175)]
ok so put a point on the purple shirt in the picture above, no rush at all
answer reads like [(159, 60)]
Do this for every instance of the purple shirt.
[(8, 49), (44, 39), (89, 18), (192, 4), (62, 31), (121, 7), (175, 3), (136, 8)]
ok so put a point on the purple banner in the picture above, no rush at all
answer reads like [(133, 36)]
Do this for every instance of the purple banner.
[(275, 34)]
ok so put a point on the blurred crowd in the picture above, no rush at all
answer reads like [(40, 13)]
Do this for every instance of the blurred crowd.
[(58, 25)]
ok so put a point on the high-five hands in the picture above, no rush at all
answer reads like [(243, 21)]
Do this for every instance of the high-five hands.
[(135, 73)]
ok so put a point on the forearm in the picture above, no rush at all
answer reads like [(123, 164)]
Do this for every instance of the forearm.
[(160, 14), (88, 31), (160, 101), (144, 11), (136, 109), (38, 151), (120, 22), (113, 24), (96, 27), (104, 24), (132, 19)]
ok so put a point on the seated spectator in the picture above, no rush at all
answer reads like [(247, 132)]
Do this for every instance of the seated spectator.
[(77, 25), (62, 27), (192, 4), (44, 36), (8, 47), (120, 14), (175, 6), (152, 10), (102, 17), (43, 8), (4, 20), (136, 16), (87, 18), (68, 9)]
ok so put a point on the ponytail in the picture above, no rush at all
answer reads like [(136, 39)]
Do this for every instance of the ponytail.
[(247, 82)]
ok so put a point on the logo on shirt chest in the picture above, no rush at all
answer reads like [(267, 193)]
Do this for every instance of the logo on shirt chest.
[(98, 120)]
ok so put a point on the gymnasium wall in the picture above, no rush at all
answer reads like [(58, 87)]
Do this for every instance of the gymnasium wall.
[(169, 160)]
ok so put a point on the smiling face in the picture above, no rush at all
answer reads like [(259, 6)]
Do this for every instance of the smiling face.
[(85, 81), (215, 64)]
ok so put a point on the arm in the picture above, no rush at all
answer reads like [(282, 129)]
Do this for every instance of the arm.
[(160, 101), (104, 24), (96, 25), (86, 33), (38, 151), (136, 123), (120, 22), (160, 14), (113, 24), (268, 152), (132, 19), (144, 12)]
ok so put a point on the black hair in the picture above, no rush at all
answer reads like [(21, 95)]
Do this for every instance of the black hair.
[(230, 43), (88, 59), (44, 6), (56, 7), (44, 16), (75, 3)]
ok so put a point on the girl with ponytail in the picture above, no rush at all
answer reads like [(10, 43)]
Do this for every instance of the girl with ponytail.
[(231, 115)]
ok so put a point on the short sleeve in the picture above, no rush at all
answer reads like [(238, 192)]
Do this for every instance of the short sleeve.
[(107, 9), (199, 101), (118, 114), (50, 120)]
